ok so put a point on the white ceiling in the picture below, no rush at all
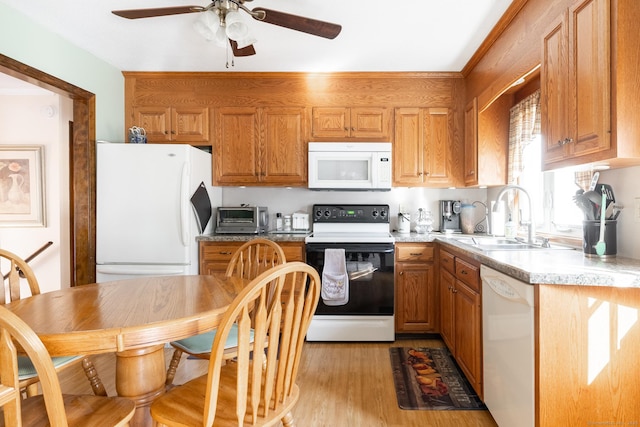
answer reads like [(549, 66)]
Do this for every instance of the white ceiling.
[(377, 35)]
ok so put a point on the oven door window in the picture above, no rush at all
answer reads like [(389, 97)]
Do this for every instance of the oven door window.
[(371, 278)]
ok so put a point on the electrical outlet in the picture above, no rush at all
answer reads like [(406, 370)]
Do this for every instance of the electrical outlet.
[(636, 209)]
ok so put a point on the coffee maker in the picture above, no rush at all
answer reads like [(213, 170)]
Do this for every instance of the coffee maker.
[(450, 216)]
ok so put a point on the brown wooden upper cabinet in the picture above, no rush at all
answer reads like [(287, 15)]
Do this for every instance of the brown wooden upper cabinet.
[(423, 148), (174, 124), (575, 73), (345, 122), (471, 142), (260, 146)]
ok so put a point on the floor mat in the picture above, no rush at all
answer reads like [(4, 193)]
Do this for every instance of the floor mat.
[(429, 379)]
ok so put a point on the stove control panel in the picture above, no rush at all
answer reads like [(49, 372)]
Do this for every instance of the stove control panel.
[(351, 213)]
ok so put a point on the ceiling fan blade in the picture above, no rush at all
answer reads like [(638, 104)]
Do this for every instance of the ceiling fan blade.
[(298, 23), (160, 11), (245, 51)]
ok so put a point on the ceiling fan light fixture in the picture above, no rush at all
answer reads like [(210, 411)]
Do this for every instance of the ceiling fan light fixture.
[(247, 41), (221, 37), (236, 28), (207, 25)]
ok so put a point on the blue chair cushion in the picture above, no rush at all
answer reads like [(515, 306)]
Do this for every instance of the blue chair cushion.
[(26, 369), (201, 344)]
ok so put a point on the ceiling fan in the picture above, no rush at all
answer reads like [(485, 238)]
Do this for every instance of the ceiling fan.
[(225, 22)]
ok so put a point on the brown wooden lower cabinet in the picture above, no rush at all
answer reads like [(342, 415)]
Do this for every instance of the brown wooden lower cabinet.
[(461, 315), (587, 366), (415, 288), (215, 256)]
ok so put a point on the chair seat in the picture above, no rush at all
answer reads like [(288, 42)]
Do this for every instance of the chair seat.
[(26, 369), (179, 403), (81, 410), (201, 344)]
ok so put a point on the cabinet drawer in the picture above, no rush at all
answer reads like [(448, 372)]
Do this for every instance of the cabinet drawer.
[(413, 252), (468, 273), (218, 251), (447, 261)]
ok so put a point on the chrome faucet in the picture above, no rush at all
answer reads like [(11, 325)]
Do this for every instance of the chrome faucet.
[(531, 228)]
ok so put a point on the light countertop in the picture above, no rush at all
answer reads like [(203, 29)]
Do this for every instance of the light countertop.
[(569, 267), (536, 266)]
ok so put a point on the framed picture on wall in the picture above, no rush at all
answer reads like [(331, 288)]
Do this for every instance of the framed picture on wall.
[(22, 186)]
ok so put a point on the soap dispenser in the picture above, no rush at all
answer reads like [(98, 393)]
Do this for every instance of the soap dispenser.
[(510, 228)]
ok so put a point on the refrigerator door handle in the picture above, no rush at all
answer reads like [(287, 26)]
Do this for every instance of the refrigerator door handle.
[(184, 204)]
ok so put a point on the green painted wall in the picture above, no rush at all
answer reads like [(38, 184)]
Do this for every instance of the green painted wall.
[(26, 41)]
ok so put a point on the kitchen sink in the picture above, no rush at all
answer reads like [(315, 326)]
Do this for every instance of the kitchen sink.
[(487, 243)]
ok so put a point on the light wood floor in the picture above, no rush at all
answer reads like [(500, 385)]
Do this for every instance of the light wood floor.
[(342, 385)]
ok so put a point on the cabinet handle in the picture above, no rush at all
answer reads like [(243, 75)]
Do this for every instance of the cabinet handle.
[(225, 253), (166, 132), (415, 254), (455, 291), (463, 272), (565, 141), (401, 273), (472, 172), (353, 129)]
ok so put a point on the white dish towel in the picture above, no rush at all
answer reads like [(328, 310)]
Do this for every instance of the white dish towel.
[(335, 281)]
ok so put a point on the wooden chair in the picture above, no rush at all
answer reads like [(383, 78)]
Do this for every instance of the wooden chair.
[(249, 260), (258, 394), (14, 280), (51, 408)]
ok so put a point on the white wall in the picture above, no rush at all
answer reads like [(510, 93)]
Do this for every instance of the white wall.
[(25, 120), (626, 191), (24, 40), (292, 200)]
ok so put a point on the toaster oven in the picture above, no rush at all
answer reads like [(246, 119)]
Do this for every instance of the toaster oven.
[(242, 220)]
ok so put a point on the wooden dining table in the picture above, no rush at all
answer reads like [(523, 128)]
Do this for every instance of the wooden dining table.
[(134, 318)]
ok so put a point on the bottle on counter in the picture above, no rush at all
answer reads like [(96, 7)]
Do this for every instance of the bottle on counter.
[(287, 223), (510, 230), (279, 222)]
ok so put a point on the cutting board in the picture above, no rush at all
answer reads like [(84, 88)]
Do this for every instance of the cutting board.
[(201, 207)]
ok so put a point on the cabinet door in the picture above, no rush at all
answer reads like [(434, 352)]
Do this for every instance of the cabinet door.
[(447, 319), (553, 95), (415, 294), (236, 146), (293, 251), (156, 121), (215, 256), (190, 124), (438, 147), (331, 122), (369, 123), (468, 351), (408, 152), (575, 83), (283, 146), (589, 77), (471, 143)]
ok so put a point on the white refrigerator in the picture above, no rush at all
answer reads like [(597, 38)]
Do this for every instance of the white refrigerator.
[(150, 198)]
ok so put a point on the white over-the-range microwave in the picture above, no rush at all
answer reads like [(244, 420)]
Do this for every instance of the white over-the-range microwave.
[(350, 166)]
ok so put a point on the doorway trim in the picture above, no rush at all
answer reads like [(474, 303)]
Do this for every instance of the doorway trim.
[(82, 163)]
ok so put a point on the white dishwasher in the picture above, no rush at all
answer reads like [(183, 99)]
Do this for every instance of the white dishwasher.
[(508, 348)]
